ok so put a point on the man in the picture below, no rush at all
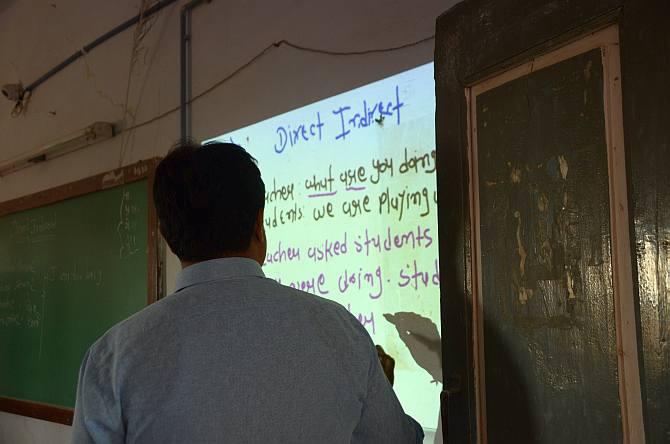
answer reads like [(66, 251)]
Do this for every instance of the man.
[(232, 356)]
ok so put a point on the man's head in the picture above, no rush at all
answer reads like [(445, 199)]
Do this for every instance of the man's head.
[(209, 201)]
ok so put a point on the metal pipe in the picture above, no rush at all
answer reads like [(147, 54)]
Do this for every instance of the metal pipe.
[(103, 38), (185, 80), (185, 62)]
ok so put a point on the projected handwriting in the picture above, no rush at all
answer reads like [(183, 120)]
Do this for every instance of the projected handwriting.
[(302, 132), (413, 276), (328, 250), (283, 193), (356, 207), (367, 320), (369, 281), (283, 216), (315, 284), (375, 243), (283, 254), (368, 114), (381, 167), (321, 186), (364, 243), (361, 195), (354, 178), (325, 210), (397, 203), (423, 162)]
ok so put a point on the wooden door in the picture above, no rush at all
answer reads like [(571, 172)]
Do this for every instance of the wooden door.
[(540, 246), (552, 288)]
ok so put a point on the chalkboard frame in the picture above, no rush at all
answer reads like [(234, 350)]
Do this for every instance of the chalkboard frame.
[(156, 270)]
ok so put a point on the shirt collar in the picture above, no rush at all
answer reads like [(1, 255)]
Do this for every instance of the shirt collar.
[(217, 269)]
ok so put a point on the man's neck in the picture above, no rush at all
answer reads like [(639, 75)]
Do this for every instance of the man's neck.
[(246, 255)]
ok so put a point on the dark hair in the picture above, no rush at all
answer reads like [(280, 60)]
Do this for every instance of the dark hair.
[(207, 199)]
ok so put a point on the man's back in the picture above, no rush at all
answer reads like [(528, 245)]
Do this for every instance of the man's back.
[(235, 357)]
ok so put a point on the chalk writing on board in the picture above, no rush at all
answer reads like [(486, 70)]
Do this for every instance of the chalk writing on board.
[(23, 297), (127, 226), (20, 312), (34, 230), (41, 324), (78, 273)]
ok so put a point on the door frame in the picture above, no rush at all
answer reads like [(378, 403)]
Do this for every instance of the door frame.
[(475, 39), (607, 40)]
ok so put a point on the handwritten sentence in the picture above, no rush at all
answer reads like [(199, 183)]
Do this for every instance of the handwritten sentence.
[(35, 281), (34, 230), (365, 243), (369, 281), (393, 203), (353, 179)]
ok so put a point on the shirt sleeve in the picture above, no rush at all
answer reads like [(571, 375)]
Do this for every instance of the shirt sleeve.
[(97, 415), (383, 418)]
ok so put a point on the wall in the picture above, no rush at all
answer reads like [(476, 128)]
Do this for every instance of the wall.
[(36, 35)]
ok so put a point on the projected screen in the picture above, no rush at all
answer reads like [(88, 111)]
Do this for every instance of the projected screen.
[(351, 215)]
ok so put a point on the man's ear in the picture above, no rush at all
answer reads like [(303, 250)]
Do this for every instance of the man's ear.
[(260, 226)]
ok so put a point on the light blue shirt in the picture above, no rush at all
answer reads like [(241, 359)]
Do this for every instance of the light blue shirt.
[(235, 357)]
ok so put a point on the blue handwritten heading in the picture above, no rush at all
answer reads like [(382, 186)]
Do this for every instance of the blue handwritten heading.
[(346, 119), (350, 120), (302, 132)]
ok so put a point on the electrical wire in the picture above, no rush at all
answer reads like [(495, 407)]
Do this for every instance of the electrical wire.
[(265, 51), (142, 29), (349, 53)]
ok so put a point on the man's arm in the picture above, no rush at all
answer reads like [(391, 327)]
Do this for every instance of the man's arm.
[(97, 414), (382, 417)]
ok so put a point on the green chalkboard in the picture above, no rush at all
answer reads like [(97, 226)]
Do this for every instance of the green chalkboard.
[(69, 270)]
